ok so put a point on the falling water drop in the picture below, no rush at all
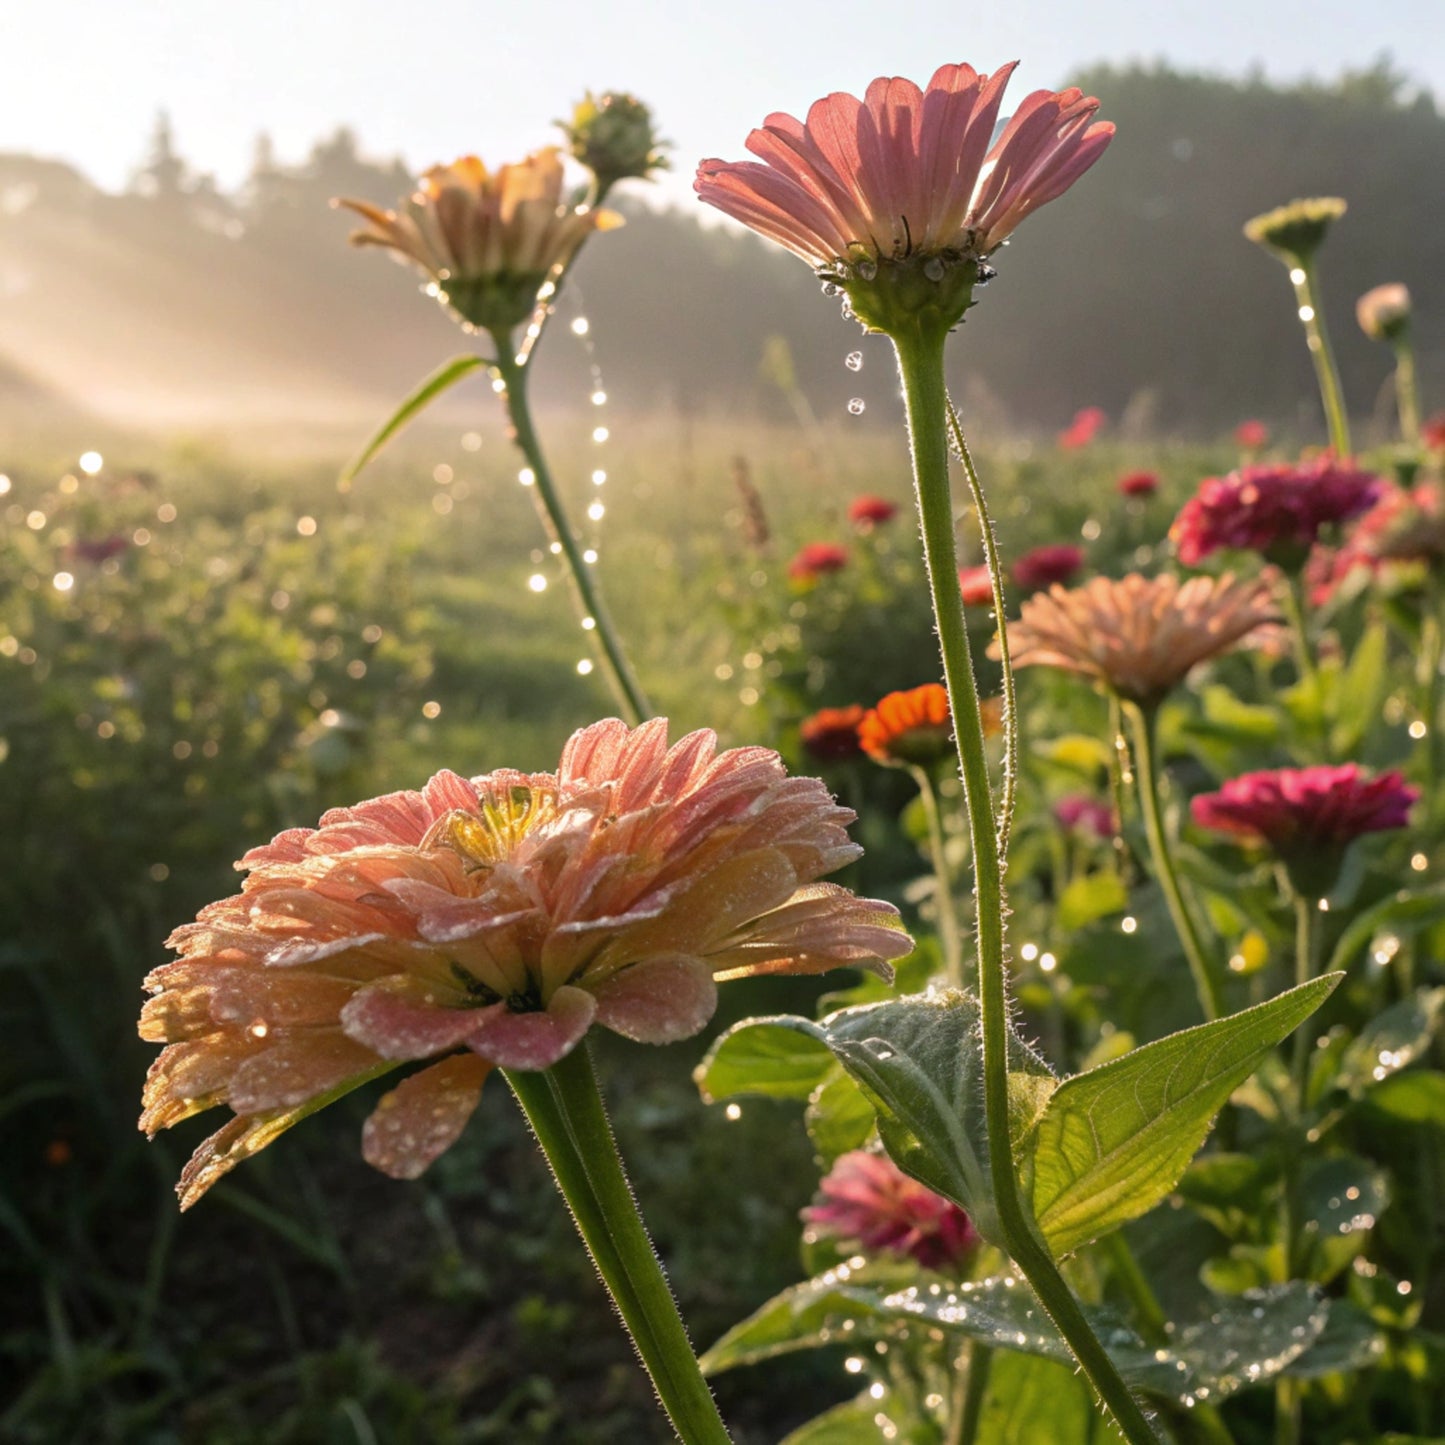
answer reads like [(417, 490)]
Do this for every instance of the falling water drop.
[(856, 405), (854, 361)]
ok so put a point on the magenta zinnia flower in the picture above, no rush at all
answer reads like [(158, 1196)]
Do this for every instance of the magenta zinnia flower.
[(1138, 484), (1302, 810), (1044, 566), (490, 923), (866, 1199), (1275, 510), (1078, 812), (907, 172), (1252, 435), (1086, 425)]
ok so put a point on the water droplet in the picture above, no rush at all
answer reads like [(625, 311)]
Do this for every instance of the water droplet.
[(866, 270), (854, 361), (856, 406), (933, 269)]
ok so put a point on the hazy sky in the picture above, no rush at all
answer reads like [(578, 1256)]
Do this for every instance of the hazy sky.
[(82, 79)]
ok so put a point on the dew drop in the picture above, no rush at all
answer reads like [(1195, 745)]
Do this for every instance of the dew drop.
[(856, 406), (854, 361)]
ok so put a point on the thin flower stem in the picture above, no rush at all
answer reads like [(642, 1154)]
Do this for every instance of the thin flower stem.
[(1309, 673), (948, 930), (1146, 777), (1407, 396), (995, 577), (565, 1110), (920, 363), (1306, 290), (629, 694), (970, 1388)]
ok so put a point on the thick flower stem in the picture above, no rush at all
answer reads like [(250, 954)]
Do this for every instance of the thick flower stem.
[(920, 361), (1306, 290), (565, 1110), (1146, 775), (948, 930), (1407, 398), (628, 692), (970, 1389)]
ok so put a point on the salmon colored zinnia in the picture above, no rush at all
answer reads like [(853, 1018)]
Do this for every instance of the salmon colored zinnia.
[(489, 923)]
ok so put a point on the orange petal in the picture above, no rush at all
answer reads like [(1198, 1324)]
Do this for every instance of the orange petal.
[(423, 1116)]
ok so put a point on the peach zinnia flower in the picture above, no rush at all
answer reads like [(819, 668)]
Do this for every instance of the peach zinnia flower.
[(866, 1199), (1384, 311), (909, 728), (1139, 636), (490, 923), (907, 172), (488, 239)]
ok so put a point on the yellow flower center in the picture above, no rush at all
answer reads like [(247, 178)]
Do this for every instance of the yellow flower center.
[(489, 836)]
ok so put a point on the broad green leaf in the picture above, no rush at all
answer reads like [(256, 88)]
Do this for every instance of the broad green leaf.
[(1350, 1341), (1030, 1401), (851, 1423), (758, 1056), (1114, 1141), (1361, 693), (1414, 1098), (1341, 1198), (443, 378), (920, 1062), (839, 1116), (1086, 900), (1248, 1339), (1391, 1041), (1226, 1189), (1401, 914), (1230, 720)]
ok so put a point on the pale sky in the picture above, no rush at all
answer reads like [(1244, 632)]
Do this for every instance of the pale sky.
[(81, 80)]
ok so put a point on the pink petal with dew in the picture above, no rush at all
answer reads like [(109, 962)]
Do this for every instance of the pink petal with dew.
[(296, 1069), (772, 205), (423, 1116), (398, 1025), (534, 1040), (811, 189), (658, 1001), (447, 791)]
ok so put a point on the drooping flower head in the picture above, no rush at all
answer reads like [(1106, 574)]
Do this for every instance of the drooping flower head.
[(1384, 312), (1138, 484), (489, 240), (1043, 566), (831, 733), (613, 136), (867, 511), (901, 196), (490, 923), (910, 728), (1307, 816), (816, 559), (1087, 423), (1277, 511), (975, 586), (865, 1199), (1139, 636), (1251, 435), (1294, 232)]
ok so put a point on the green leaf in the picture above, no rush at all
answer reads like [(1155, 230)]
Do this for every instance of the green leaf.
[(1341, 1198), (1230, 720), (1391, 1041), (1114, 1141), (1227, 1190), (1086, 900), (1350, 1341), (1414, 1098), (433, 386), (1031, 1400), (920, 1062), (852, 1423), (1399, 915), (761, 1056), (1361, 693), (839, 1117), (1248, 1339)]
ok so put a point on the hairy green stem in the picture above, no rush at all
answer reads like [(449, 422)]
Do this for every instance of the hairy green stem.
[(1317, 338), (565, 1110), (920, 361), (629, 694), (995, 577), (970, 1388), (1146, 776), (1407, 396), (948, 930)]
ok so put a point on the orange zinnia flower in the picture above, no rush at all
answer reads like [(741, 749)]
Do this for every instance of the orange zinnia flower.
[(490, 923), (909, 728), (488, 239), (1140, 636)]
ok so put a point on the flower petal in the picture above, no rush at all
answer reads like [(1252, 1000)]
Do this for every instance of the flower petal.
[(423, 1116), (401, 1026), (534, 1040), (659, 1001)]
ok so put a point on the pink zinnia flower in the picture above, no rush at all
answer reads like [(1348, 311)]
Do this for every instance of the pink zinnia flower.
[(1403, 526), (866, 1199), (1081, 813), (1138, 484), (868, 511), (1252, 435), (1275, 510), (1044, 566), (1432, 434), (815, 559), (907, 172), (1303, 810), (831, 733), (1085, 426), (489, 923), (975, 586)]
